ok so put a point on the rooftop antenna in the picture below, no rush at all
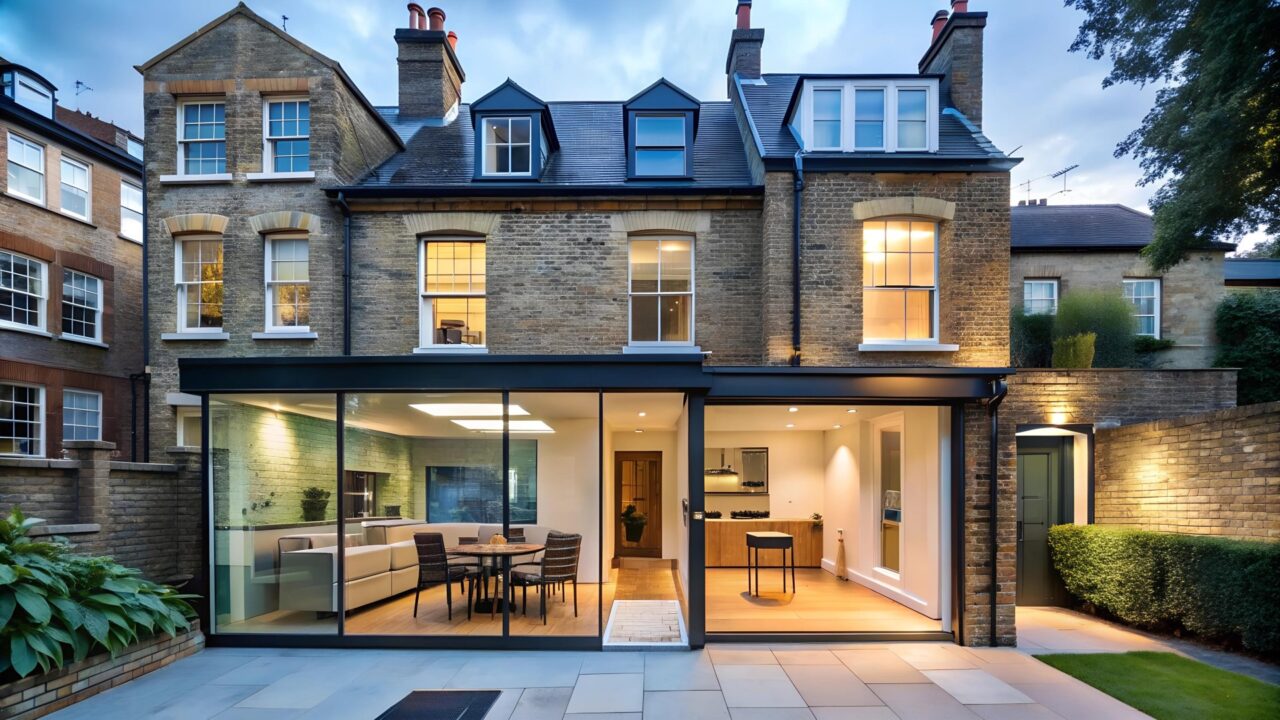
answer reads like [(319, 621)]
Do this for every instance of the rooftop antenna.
[(82, 88), (284, 23), (1059, 174)]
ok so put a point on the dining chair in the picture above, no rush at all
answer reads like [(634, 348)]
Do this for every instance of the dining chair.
[(434, 569), (559, 565)]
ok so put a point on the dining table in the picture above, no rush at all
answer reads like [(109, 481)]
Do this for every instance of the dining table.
[(490, 556)]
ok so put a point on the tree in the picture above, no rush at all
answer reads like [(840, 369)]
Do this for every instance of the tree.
[(1212, 139), (1267, 249)]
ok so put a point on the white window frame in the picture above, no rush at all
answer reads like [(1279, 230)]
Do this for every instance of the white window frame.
[(804, 116), (183, 142), (268, 140), (691, 293), (268, 255), (1132, 283), (1052, 282), (933, 340), (42, 297), (142, 218), (87, 189), (98, 311), (178, 250), (179, 435), (486, 149), (40, 423), (426, 317), (44, 180), (98, 411)]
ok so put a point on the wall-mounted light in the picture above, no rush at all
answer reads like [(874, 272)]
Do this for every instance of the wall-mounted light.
[(642, 413), (851, 411), (791, 425)]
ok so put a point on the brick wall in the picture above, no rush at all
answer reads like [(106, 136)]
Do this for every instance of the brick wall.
[(39, 695), (973, 262), (1215, 473), (978, 570), (1115, 396), (1189, 295)]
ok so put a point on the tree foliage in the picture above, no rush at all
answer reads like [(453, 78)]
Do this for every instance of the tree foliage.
[(1105, 314), (1248, 328), (1213, 136)]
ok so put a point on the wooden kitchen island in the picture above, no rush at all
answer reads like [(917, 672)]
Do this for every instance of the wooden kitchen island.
[(727, 541)]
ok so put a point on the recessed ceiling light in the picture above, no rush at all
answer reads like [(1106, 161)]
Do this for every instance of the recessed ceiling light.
[(495, 426), (791, 425), (836, 426), (851, 411), (639, 431), (642, 413), (467, 409), (793, 409)]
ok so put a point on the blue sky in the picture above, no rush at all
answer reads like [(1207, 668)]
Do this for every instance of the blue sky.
[(1037, 95)]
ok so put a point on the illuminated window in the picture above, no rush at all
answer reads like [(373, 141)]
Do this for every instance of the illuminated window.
[(199, 280), (453, 293), (899, 281), (288, 284), (661, 290)]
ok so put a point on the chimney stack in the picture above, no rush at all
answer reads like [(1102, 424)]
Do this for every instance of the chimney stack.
[(744, 47), (430, 75), (955, 53)]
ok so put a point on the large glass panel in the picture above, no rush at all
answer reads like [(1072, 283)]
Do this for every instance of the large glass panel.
[(560, 512), (890, 466), (912, 119), (826, 118), (426, 467), (273, 467), (868, 124)]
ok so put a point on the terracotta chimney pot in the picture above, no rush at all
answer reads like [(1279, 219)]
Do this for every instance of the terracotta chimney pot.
[(453, 40), (939, 22), (417, 18), (959, 6), (436, 16), (744, 14)]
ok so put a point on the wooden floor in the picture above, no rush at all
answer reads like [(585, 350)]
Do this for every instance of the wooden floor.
[(822, 604)]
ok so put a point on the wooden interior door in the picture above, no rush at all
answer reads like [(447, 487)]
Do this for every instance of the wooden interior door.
[(638, 481)]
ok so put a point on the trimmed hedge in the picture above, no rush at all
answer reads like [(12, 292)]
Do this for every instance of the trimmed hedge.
[(1076, 351), (1248, 327), (1106, 314), (1031, 339), (1218, 588)]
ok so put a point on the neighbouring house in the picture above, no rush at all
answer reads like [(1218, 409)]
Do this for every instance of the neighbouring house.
[(1251, 273), (71, 235), (653, 336), (1056, 249)]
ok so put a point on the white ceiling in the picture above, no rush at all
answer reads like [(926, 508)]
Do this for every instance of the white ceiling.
[(764, 418)]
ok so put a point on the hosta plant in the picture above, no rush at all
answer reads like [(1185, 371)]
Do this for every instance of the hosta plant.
[(57, 607)]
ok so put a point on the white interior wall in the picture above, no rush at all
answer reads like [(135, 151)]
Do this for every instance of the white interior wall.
[(569, 487), (650, 441), (796, 474), (681, 496), (606, 506)]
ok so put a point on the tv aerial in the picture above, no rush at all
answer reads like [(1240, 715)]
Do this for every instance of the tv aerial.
[(1026, 185)]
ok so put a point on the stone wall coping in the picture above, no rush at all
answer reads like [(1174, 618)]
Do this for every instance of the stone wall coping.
[(144, 467), (1085, 371), (183, 450), (88, 445), (50, 463), (1236, 413), (67, 529)]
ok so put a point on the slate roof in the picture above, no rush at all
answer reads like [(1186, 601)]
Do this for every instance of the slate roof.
[(592, 153), (1252, 271), (767, 104), (1082, 227)]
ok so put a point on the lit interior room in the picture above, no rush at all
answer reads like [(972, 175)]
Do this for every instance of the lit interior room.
[(854, 497)]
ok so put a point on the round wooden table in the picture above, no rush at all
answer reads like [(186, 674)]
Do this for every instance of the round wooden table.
[(488, 555)]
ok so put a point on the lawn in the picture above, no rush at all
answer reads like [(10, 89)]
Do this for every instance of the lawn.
[(1172, 687)]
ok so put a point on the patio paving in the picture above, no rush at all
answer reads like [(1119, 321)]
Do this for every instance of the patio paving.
[(868, 681)]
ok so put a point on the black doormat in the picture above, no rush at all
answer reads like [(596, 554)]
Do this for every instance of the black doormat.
[(443, 705)]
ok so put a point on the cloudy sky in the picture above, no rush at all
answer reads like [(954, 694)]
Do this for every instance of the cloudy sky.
[(1040, 99)]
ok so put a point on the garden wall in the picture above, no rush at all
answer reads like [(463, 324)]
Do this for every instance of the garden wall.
[(1214, 473)]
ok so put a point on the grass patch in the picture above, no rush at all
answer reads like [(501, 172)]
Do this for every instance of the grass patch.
[(1171, 687)]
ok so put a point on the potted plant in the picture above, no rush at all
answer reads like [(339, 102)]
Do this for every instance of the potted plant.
[(314, 503), (633, 523)]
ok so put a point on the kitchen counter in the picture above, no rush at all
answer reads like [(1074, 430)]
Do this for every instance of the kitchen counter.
[(727, 541)]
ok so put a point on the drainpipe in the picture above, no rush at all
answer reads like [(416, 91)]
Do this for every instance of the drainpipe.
[(993, 412), (146, 332), (797, 207), (346, 273), (133, 415)]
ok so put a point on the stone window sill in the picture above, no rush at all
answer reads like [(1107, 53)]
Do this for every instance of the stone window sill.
[(661, 350), (281, 335), (198, 336), (84, 341), (195, 179), (451, 350), (135, 241), (25, 329), (281, 176), (907, 347)]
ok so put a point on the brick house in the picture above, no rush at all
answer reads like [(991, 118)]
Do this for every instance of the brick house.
[(631, 332), (1059, 248), (71, 234)]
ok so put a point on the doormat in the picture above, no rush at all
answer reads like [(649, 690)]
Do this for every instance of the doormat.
[(443, 705)]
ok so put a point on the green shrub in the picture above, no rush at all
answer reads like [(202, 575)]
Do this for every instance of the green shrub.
[(1031, 339), (57, 607), (1219, 588), (1109, 316), (1076, 351), (1147, 349), (1248, 326)]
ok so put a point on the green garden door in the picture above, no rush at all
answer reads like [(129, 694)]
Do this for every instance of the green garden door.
[(1044, 465)]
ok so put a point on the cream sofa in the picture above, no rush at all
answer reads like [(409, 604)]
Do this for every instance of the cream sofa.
[(384, 565)]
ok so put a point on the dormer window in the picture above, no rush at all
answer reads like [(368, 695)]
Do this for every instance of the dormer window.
[(660, 145), (508, 144), (29, 91), (869, 115)]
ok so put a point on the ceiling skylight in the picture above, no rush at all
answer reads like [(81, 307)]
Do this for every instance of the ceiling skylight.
[(467, 409), (517, 426)]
